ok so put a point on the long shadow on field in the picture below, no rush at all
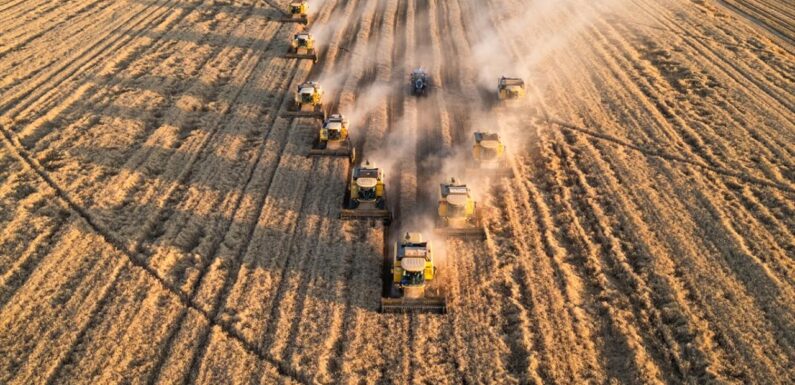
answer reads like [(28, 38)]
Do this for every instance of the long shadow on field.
[(252, 10), (204, 38)]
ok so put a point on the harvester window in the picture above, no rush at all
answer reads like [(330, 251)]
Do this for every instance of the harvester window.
[(367, 193), (458, 190), (368, 173), (413, 278)]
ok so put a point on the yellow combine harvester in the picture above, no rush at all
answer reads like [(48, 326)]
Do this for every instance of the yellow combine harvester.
[(333, 140), (510, 88), (489, 157), (458, 214), (302, 47), (308, 102), (366, 195), (410, 272), (299, 13)]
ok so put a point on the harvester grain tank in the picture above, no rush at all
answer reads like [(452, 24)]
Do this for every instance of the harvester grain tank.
[(366, 194), (411, 271), (458, 213), (510, 88), (332, 138), (302, 47)]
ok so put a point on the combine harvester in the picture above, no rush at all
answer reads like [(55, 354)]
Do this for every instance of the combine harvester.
[(510, 88), (489, 158), (308, 102), (333, 140), (366, 194), (458, 213), (410, 272), (299, 13), (302, 47)]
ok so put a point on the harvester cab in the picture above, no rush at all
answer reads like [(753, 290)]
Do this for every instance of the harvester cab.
[(332, 139), (366, 195), (420, 82), (411, 270), (510, 88), (302, 47), (458, 214), (489, 156)]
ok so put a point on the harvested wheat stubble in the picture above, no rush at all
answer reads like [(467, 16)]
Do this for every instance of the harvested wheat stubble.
[(160, 222)]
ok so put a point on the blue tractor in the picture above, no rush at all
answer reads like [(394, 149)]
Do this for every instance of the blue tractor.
[(420, 82)]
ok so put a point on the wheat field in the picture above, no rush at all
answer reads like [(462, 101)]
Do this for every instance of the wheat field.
[(160, 222)]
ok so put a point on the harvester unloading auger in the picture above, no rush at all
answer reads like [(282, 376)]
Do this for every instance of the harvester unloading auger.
[(411, 271), (302, 47), (308, 102), (366, 194), (299, 13), (333, 140), (458, 213)]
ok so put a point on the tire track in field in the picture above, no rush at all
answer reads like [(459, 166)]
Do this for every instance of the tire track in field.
[(365, 20), (111, 240), (645, 125), (46, 14), (695, 287), (741, 169), (760, 17), (28, 259), (674, 113), (616, 320), (671, 157), (104, 103), (106, 228), (280, 321), (6, 15), (13, 4), (20, 39), (548, 367), (228, 285), (215, 248), (263, 203), (243, 65), (731, 69), (13, 104), (49, 50)]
